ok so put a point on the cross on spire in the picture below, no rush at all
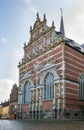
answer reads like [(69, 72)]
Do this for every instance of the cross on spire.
[(61, 12)]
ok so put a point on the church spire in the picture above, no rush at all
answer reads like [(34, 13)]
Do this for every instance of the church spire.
[(62, 24)]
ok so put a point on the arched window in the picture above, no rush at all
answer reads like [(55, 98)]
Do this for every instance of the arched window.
[(27, 92), (49, 87), (81, 87)]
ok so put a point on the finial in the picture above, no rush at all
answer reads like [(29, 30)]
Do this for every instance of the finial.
[(61, 12), (19, 62), (24, 44), (52, 23), (37, 15), (44, 17), (30, 28)]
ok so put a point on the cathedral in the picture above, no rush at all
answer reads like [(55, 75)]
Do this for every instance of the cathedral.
[(51, 74)]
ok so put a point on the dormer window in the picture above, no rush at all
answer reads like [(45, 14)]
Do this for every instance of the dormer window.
[(48, 41), (37, 48), (40, 30), (30, 53), (34, 35), (33, 50), (40, 46)]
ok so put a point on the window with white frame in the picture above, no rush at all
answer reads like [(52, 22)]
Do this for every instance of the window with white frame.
[(37, 49), (40, 30), (34, 35), (81, 87), (48, 41), (49, 87), (33, 50), (40, 45), (27, 92)]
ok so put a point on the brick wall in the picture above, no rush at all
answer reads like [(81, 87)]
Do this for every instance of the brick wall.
[(47, 105), (74, 66)]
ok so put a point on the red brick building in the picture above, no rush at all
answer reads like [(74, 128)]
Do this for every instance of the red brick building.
[(13, 102), (51, 74)]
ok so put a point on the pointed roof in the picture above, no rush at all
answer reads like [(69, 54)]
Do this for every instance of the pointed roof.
[(62, 24)]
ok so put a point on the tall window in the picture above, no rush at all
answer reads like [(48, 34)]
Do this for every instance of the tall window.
[(27, 92), (49, 87), (48, 41), (81, 87)]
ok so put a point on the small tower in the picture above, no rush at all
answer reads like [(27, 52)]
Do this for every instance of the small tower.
[(44, 16), (62, 24), (37, 15)]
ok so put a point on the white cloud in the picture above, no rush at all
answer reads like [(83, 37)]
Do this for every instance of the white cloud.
[(5, 89), (74, 22), (73, 12), (29, 5), (3, 40)]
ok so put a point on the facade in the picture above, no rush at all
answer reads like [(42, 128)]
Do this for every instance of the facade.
[(13, 102), (51, 74), (4, 110)]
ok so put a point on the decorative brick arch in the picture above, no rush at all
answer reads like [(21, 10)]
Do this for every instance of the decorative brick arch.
[(53, 72), (30, 80)]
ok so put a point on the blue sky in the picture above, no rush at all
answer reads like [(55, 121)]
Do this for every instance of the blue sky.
[(16, 17)]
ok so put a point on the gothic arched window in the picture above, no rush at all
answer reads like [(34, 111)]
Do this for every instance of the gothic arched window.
[(81, 87), (49, 87), (27, 92)]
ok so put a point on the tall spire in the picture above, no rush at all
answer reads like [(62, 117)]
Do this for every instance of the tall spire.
[(62, 24)]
